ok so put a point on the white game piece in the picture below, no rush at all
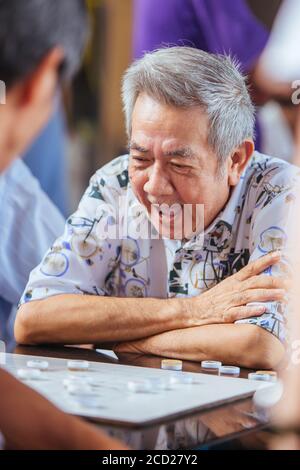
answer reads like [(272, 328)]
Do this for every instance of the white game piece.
[(229, 370), (271, 373), (41, 365), (81, 380), (174, 379), (186, 379), (92, 381), (73, 380), (171, 364), (181, 379), (81, 389), (211, 365), (262, 377), (139, 386), (159, 384), (77, 377), (2, 352), (29, 374), (89, 402), (78, 365)]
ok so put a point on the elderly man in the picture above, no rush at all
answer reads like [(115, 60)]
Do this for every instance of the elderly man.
[(212, 291)]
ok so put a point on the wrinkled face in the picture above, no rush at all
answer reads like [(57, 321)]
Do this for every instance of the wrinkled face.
[(171, 164)]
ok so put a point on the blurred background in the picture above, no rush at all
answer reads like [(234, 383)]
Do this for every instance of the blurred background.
[(88, 128), (93, 104)]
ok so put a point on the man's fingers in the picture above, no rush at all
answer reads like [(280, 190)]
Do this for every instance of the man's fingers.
[(240, 313), (263, 281), (258, 295), (258, 266)]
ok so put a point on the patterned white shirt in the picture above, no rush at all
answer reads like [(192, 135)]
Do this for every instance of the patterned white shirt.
[(253, 222)]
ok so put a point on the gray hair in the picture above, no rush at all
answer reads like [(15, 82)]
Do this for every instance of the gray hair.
[(186, 77)]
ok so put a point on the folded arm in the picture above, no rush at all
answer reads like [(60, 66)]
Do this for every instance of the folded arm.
[(84, 319), (74, 319), (243, 345)]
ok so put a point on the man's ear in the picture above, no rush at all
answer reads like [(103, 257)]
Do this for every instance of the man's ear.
[(41, 84), (238, 160)]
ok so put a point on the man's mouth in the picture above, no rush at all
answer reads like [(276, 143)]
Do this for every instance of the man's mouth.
[(166, 217), (168, 213)]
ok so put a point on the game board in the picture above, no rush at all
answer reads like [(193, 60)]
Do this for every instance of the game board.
[(113, 403)]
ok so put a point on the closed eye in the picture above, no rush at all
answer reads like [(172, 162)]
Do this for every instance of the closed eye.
[(140, 159), (180, 167), (177, 165)]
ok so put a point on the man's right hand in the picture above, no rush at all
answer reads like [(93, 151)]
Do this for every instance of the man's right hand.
[(227, 301)]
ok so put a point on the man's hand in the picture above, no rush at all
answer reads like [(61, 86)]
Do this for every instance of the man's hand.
[(227, 301)]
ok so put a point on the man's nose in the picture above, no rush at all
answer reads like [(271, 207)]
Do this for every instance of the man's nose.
[(158, 183)]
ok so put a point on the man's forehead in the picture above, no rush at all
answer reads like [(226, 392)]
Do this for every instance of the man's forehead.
[(169, 129), (169, 147)]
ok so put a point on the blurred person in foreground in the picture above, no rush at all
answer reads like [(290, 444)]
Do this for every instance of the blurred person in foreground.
[(48, 38), (30, 221), (181, 287)]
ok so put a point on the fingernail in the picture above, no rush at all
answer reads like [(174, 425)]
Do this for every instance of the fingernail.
[(276, 254), (258, 308), (261, 309)]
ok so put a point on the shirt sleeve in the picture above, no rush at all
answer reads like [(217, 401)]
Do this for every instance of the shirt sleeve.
[(271, 221), (84, 258), (29, 224), (215, 26)]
